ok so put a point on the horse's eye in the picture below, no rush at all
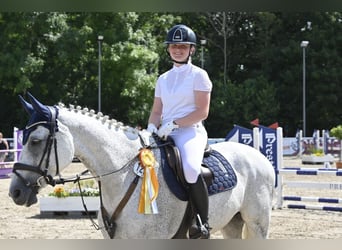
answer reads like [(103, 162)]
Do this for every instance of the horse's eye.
[(35, 141)]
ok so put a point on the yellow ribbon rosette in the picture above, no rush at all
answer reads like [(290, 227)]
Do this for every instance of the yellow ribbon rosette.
[(150, 185)]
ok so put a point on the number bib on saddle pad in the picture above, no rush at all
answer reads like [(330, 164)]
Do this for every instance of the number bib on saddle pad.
[(224, 177)]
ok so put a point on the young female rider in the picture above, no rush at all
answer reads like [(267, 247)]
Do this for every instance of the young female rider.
[(181, 103)]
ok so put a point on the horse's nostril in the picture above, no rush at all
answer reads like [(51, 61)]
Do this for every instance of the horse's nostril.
[(16, 193)]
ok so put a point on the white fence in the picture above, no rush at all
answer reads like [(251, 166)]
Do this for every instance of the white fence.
[(12, 154)]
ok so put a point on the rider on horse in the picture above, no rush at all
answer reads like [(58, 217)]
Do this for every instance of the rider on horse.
[(181, 103)]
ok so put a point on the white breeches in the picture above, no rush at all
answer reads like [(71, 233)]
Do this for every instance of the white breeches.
[(191, 142)]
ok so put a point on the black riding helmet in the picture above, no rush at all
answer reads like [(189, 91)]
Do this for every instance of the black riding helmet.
[(180, 34)]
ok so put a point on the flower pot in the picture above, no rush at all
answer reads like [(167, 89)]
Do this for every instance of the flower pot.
[(314, 159), (68, 204), (339, 164)]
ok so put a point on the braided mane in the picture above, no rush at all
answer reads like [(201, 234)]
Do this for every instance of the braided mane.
[(104, 119)]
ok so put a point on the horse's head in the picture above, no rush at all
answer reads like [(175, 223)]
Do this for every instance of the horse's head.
[(41, 158)]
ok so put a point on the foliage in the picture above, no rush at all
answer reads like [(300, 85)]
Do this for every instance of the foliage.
[(253, 98), (88, 188), (336, 132), (315, 151), (254, 60)]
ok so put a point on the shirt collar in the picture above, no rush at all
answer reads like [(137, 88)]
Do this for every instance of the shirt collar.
[(181, 68)]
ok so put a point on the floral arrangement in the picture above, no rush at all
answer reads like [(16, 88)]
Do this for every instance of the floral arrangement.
[(88, 188), (312, 150), (317, 152)]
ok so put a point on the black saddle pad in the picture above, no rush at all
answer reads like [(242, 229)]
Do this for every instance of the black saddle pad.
[(224, 177)]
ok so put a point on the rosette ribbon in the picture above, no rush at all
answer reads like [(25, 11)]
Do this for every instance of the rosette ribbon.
[(150, 186)]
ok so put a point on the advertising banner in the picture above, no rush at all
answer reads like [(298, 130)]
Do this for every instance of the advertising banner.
[(268, 144), (241, 135)]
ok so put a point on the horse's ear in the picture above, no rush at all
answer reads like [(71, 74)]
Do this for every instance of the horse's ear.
[(27, 106), (37, 106)]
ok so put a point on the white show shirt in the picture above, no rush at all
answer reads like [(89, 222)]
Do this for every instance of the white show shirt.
[(176, 89)]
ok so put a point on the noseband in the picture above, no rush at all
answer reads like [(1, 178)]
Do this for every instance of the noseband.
[(42, 169)]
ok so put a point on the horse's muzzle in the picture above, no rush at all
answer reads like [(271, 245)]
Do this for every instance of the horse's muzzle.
[(21, 194), (23, 198)]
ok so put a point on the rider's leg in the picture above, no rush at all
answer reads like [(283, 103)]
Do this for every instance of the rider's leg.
[(198, 193), (191, 142)]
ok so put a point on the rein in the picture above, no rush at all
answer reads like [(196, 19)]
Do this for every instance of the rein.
[(45, 179), (109, 221)]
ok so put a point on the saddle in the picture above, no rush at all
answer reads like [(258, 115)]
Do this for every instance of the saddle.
[(175, 163), (215, 170)]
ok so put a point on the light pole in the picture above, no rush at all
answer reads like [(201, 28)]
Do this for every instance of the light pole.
[(304, 44), (99, 39), (203, 42)]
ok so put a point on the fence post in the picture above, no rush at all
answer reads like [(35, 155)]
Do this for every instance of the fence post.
[(279, 178), (256, 138), (300, 142), (15, 144)]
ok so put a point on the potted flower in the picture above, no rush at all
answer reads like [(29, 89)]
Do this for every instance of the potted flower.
[(337, 133), (316, 156), (67, 198)]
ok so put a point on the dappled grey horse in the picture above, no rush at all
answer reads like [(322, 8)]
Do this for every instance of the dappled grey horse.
[(109, 150)]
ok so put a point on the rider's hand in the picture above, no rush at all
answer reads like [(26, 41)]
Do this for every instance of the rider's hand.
[(152, 128), (166, 129)]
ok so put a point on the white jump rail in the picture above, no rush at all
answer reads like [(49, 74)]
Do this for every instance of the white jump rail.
[(309, 185)]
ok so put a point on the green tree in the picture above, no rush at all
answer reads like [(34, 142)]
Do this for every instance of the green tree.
[(22, 59), (255, 65)]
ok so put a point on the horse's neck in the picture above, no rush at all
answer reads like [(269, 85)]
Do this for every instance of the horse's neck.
[(100, 144)]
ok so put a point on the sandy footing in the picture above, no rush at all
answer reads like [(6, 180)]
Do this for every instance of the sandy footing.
[(27, 223)]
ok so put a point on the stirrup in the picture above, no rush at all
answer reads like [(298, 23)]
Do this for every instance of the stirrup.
[(199, 230)]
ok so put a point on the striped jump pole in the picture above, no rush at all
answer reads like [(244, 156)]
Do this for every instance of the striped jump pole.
[(315, 207), (310, 185), (312, 199), (310, 171)]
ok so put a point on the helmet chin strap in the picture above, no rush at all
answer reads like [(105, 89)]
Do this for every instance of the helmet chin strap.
[(184, 62)]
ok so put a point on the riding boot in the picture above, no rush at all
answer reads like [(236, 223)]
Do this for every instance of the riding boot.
[(198, 193)]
